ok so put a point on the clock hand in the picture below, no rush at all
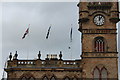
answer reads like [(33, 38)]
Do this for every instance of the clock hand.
[(100, 18)]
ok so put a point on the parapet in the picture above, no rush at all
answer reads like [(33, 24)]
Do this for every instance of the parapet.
[(50, 62)]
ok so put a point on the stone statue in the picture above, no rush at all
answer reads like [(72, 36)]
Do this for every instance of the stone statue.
[(10, 56), (16, 55), (39, 55), (60, 55)]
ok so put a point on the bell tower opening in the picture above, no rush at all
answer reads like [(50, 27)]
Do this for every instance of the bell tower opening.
[(99, 44)]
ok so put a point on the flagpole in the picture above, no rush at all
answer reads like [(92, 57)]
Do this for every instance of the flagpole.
[(70, 47), (71, 42), (5, 65), (48, 34), (28, 41)]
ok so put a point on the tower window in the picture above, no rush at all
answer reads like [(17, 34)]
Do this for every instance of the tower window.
[(99, 44), (100, 74), (104, 74), (96, 74)]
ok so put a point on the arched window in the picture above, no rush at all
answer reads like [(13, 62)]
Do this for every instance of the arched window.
[(96, 74), (100, 74), (74, 79), (53, 78), (31, 78), (103, 74), (45, 78), (66, 78), (99, 44), (23, 78)]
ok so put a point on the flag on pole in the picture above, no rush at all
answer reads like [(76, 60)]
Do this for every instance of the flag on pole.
[(71, 35), (48, 32), (26, 32)]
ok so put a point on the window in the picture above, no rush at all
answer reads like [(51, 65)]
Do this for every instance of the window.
[(104, 74), (96, 74), (74, 79), (23, 78), (100, 74), (53, 78), (31, 78), (45, 78), (67, 78), (99, 44)]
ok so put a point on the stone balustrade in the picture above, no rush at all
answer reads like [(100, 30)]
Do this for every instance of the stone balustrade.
[(42, 63)]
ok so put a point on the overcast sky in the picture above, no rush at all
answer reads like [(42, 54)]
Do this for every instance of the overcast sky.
[(17, 16)]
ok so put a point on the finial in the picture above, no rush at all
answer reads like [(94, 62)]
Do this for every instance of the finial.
[(10, 56), (47, 55), (60, 52), (16, 55), (39, 55), (60, 55)]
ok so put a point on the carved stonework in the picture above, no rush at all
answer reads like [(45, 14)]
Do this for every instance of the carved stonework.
[(100, 31), (99, 5)]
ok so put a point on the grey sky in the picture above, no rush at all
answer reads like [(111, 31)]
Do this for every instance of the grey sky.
[(17, 16)]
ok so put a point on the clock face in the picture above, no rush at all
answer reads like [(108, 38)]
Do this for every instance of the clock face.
[(99, 20)]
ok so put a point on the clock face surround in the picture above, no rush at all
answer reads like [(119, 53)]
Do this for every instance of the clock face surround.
[(99, 20)]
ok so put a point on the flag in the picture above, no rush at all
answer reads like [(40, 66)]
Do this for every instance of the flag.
[(48, 32), (26, 32), (71, 35)]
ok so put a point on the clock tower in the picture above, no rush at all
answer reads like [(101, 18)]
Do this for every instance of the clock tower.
[(97, 23)]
